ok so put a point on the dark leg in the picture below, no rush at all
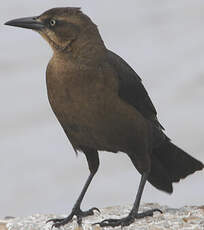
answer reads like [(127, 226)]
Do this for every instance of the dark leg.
[(93, 162), (134, 212)]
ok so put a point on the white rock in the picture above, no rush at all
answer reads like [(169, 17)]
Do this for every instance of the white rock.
[(186, 218)]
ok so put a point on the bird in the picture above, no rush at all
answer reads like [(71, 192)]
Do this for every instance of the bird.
[(102, 105)]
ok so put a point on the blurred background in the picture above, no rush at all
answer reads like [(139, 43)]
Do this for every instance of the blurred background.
[(39, 172)]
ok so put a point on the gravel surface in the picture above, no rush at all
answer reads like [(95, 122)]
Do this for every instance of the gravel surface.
[(185, 218)]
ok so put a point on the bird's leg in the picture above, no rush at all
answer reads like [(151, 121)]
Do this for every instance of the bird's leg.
[(76, 211), (134, 212), (93, 162)]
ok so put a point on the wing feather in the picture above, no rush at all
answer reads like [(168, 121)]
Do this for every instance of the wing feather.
[(132, 90)]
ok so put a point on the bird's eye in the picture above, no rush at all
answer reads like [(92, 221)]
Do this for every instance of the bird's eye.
[(52, 22)]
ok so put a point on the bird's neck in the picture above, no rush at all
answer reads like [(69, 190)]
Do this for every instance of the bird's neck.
[(87, 49)]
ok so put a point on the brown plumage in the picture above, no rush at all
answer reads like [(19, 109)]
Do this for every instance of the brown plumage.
[(101, 104)]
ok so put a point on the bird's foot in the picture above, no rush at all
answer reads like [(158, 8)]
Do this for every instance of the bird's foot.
[(58, 222), (126, 220)]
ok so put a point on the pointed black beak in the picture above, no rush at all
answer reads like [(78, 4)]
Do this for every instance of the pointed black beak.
[(28, 23)]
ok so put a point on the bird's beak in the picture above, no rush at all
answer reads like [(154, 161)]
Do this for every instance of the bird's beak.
[(28, 23)]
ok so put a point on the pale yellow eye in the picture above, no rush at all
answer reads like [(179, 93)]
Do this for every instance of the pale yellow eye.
[(52, 22)]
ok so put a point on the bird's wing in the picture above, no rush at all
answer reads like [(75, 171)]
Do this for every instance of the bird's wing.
[(132, 90)]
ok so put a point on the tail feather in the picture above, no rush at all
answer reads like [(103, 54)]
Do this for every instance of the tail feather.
[(170, 164), (159, 176)]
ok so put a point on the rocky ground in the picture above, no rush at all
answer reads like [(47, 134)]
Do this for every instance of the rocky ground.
[(185, 218)]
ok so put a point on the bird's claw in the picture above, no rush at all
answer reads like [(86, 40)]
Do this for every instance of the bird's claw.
[(116, 222), (127, 220), (53, 220), (93, 209), (148, 213), (58, 222)]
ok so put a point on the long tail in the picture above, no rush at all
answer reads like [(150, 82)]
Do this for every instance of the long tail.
[(170, 164)]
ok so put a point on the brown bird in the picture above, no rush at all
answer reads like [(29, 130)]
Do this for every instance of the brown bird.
[(102, 105)]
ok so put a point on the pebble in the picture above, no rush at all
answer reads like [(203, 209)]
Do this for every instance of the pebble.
[(185, 218)]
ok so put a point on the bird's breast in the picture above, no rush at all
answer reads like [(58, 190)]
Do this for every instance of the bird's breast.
[(89, 109), (76, 97)]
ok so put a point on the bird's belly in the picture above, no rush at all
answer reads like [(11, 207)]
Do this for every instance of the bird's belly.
[(110, 132), (80, 113), (96, 118)]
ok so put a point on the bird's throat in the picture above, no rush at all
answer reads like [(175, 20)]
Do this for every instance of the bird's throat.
[(66, 47)]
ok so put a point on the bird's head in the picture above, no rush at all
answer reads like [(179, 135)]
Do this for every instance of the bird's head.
[(59, 26)]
